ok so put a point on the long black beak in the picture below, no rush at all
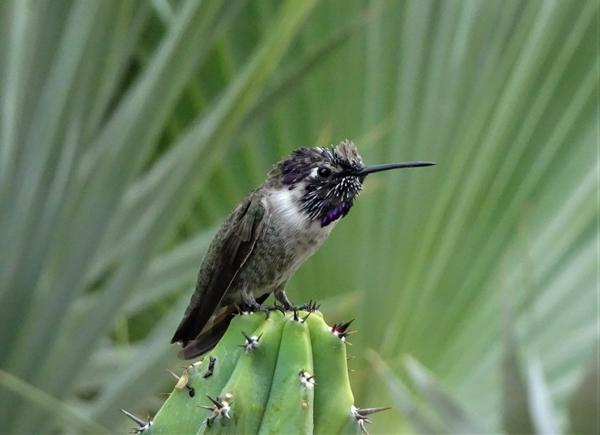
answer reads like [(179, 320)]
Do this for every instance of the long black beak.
[(386, 166)]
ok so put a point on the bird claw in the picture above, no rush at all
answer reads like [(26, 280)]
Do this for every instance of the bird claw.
[(311, 307), (250, 307), (277, 307), (265, 311), (260, 309)]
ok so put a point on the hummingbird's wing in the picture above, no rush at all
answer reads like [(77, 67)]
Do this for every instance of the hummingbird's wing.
[(227, 253)]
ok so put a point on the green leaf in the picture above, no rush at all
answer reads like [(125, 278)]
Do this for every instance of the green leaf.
[(540, 402), (211, 131), (166, 274), (26, 189), (516, 418), (150, 361), (454, 418), (116, 162), (201, 141), (405, 401), (55, 407), (584, 403)]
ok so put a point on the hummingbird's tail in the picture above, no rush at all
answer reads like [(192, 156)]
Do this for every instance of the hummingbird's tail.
[(205, 341), (210, 335)]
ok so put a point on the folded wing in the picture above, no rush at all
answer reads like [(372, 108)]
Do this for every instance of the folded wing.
[(229, 250)]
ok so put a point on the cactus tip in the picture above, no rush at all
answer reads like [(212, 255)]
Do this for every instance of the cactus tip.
[(307, 380), (345, 325), (312, 306), (251, 342), (299, 319), (360, 414), (341, 330), (361, 419), (215, 402), (142, 424), (221, 408)]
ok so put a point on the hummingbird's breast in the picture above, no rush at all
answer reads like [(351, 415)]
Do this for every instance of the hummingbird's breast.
[(288, 240), (300, 235)]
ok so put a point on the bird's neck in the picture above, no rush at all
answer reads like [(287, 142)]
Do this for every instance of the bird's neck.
[(286, 206), (290, 205)]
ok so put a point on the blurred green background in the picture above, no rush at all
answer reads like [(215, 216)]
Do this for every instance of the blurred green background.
[(129, 129)]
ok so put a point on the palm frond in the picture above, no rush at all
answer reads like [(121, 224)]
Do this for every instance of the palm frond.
[(129, 129)]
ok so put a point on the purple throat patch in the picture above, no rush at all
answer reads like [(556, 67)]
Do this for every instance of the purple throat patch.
[(334, 214)]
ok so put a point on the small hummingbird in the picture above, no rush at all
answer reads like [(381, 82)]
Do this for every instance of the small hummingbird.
[(269, 235)]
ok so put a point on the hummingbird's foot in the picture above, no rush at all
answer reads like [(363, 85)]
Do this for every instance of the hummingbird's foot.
[(311, 306), (253, 307), (287, 305), (282, 298), (250, 304), (265, 310)]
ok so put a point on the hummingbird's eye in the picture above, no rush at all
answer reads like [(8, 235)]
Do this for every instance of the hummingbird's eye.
[(324, 171)]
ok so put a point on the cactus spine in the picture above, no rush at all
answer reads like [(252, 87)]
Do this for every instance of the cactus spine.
[(285, 373)]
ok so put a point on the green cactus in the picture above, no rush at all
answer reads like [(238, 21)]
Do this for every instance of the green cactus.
[(275, 374)]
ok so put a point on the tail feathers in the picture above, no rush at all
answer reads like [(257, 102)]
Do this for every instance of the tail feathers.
[(191, 325), (195, 344), (206, 340)]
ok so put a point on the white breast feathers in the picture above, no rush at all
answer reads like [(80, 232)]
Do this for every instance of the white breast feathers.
[(286, 209)]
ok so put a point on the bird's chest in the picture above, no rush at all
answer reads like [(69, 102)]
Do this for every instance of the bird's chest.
[(299, 235), (296, 244), (288, 240)]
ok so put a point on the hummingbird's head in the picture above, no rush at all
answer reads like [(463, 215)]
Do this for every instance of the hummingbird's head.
[(327, 180)]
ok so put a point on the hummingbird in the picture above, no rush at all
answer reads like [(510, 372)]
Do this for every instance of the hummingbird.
[(268, 236)]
